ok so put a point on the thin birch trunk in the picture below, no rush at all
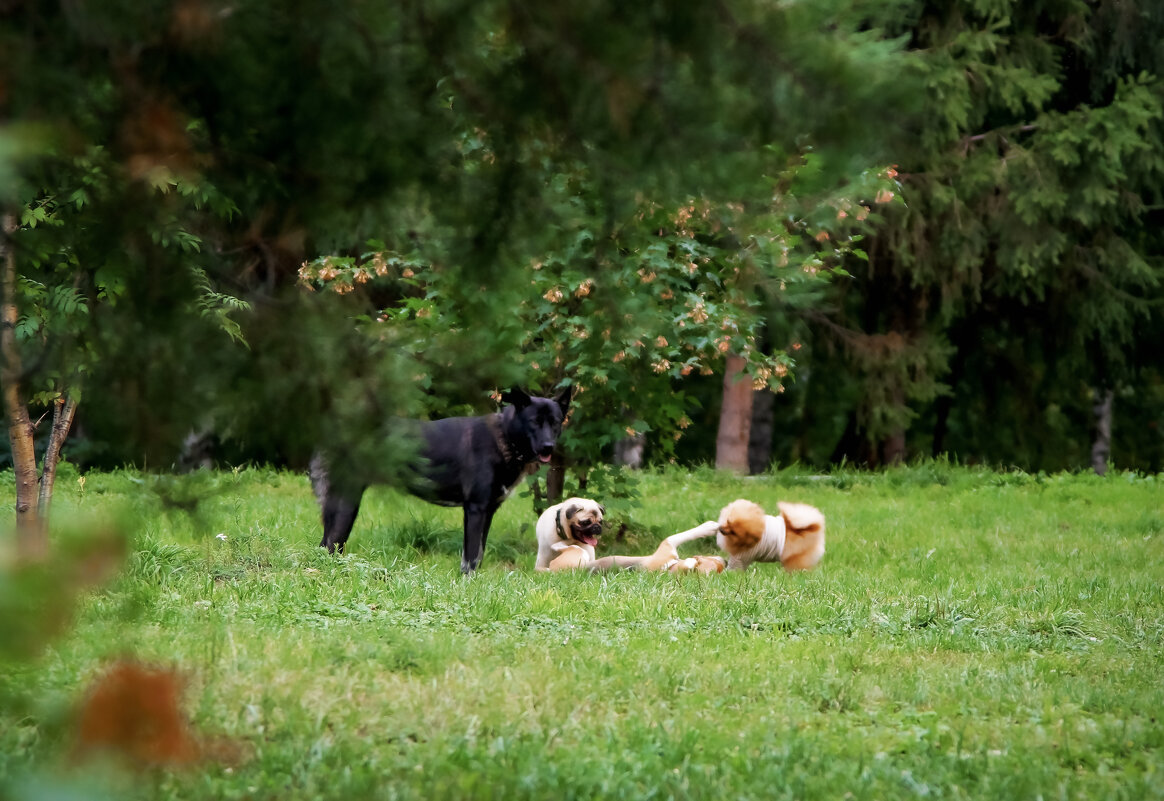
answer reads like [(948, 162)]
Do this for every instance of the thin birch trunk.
[(1101, 446), (31, 540), (893, 446), (64, 409)]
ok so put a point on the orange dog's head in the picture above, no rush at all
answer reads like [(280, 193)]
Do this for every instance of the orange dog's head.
[(742, 524)]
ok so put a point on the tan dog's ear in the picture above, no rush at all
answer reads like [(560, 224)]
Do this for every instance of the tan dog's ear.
[(602, 509), (563, 521)]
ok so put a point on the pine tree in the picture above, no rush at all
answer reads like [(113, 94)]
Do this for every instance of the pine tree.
[(1013, 282)]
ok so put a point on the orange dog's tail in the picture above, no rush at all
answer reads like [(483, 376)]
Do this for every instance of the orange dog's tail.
[(800, 518), (804, 535)]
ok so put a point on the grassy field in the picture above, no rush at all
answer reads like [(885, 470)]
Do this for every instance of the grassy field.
[(969, 635)]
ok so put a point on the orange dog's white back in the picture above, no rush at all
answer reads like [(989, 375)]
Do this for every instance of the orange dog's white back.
[(795, 538)]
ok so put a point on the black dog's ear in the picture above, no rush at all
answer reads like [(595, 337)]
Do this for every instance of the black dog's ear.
[(516, 396), (563, 398), (570, 511)]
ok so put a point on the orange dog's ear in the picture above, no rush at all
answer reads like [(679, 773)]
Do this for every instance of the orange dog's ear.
[(742, 524)]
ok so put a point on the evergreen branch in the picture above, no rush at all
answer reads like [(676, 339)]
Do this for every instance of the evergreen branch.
[(1138, 303), (969, 139), (848, 336), (218, 305)]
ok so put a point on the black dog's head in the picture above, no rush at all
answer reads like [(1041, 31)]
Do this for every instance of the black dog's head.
[(534, 424)]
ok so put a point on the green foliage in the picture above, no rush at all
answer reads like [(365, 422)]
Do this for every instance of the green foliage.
[(472, 139), (186, 163), (71, 287), (218, 306), (624, 314), (1022, 268)]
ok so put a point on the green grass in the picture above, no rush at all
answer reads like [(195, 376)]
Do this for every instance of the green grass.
[(969, 635)]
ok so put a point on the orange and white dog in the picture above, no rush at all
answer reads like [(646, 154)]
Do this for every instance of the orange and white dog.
[(795, 538)]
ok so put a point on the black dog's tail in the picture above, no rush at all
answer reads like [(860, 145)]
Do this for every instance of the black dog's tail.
[(318, 473)]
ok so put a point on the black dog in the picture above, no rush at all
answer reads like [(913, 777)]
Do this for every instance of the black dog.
[(471, 462)]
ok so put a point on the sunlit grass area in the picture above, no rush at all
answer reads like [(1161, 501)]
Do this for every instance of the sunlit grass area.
[(969, 634)]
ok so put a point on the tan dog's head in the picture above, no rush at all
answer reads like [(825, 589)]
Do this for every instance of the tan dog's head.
[(742, 525), (698, 564), (709, 564), (581, 519)]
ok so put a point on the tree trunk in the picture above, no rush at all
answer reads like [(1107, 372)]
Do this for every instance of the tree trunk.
[(893, 446), (31, 538), (760, 438), (539, 504), (1101, 446), (628, 451), (735, 418), (944, 405), (64, 409), (555, 480)]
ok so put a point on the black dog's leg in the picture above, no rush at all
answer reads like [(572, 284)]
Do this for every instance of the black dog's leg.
[(478, 517), (339, 514), (339, 508), (489, 512)]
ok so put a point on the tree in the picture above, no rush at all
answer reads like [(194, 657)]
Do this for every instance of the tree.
[(19, 421), (50, 298), (1011, 284)]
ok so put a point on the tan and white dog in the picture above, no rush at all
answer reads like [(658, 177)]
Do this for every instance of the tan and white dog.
[(567, 534), (666, 556), (795, 538)]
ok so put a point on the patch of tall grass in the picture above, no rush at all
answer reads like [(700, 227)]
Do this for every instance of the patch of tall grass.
[(970, 634)]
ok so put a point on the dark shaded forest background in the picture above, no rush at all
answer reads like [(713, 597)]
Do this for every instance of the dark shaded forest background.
[(918, 229)]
